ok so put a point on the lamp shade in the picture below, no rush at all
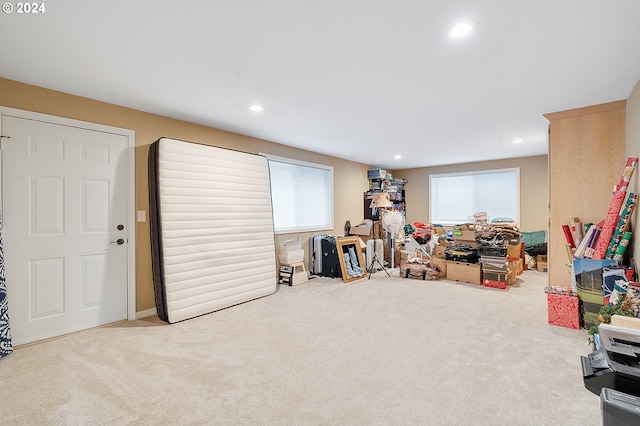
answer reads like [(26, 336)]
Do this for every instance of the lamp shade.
[(381, 200)]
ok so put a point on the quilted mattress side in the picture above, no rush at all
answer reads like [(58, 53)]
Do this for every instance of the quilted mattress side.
[(216, 222)]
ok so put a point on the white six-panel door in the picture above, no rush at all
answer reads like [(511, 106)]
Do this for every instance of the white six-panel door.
[(64, 193)]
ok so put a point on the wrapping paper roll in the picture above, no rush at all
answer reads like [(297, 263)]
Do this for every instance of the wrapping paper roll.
[(623, 224), (622, 247), (612, 218), (609, 225)]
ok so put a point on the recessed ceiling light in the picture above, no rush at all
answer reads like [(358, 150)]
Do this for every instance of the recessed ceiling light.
[(461, 29), (256, 108), (518, 140), (398, 157)]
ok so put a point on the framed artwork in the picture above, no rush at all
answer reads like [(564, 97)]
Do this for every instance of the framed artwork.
[(352, 263)]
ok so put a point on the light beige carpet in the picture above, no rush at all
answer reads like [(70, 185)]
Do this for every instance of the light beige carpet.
[(371, 352)]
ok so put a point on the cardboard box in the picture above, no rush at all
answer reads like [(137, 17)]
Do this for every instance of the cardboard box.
[(376, 174), (513, 271), (404, 256), (464, 272), (440, 265), (439, 230), (563, 310), (514, 251), (494, 264), (541, 262), (513, 241), (440, 248), (363, 228), (465, 234)]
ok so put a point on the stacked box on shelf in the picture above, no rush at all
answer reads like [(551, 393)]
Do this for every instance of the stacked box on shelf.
[(395, 188), (376, 185), (376, 174), (381, 180)]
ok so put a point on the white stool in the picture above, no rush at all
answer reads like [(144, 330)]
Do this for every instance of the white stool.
[(299, 274)]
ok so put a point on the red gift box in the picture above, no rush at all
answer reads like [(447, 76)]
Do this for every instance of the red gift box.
[(494, 283), (563, 310)]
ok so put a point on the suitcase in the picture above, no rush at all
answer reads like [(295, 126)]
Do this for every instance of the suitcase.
[(323, 256), (330, 260), (375, 251), (315, 257)]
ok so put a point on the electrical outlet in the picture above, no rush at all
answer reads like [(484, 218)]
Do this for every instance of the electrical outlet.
[(142, 216)]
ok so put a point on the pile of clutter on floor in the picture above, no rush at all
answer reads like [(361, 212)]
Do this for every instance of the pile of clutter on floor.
[(480, 252)]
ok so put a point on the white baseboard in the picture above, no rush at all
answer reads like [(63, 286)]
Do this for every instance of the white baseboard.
[(146, 313)]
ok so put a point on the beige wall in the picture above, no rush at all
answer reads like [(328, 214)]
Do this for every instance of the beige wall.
[(350, 178), (633, 149), (534, 212)]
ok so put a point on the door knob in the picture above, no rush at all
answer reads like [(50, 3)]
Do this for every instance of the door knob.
[(119, 242)]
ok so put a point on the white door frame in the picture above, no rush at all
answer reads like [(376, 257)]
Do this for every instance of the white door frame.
[(130, 178)]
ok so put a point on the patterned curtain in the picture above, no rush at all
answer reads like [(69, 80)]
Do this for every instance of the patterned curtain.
[(5, 332)]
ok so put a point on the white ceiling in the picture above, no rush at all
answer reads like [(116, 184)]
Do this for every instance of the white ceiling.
[(357, 79)]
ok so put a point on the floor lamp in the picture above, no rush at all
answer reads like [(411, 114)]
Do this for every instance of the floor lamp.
[(380, 201)]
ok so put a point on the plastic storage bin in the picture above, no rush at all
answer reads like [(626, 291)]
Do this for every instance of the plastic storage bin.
[(291, 256)]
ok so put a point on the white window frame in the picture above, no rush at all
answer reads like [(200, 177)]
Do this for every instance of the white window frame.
[(469, 173), (329, 197)]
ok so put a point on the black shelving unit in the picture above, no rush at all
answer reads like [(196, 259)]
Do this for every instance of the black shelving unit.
[(395, 189)]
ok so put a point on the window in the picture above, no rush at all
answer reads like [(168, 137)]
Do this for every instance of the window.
[(455, 197), (302, 195)]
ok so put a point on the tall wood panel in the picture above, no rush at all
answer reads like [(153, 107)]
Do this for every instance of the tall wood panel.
[(587, 155)]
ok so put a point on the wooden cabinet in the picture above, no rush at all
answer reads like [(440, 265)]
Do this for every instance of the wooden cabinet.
[(587, 154)]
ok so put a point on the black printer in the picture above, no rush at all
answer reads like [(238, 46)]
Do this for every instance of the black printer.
[(616, 365)]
